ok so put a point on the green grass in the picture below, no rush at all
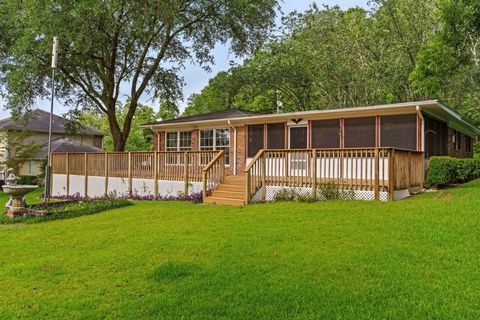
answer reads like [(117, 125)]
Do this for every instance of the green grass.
[(415, 258)]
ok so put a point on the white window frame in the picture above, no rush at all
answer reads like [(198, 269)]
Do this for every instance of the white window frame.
[(215, 141), (177, 148)]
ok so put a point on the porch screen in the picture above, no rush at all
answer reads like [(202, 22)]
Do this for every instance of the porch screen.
[(326, 134), (255, 139), (399, 131), (436, 137), (359, 132), (276, 135)]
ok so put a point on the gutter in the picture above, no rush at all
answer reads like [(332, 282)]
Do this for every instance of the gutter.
[(234, 147)]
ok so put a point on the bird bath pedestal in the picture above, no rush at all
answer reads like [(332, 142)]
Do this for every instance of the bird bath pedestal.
[(16, 191)]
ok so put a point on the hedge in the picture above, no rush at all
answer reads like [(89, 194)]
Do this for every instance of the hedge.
[(443, 171)]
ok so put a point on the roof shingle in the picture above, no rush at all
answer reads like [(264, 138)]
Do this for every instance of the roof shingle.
[(38, 121)]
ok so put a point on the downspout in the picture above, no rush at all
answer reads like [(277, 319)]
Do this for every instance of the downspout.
[(422, 129), (234, 147)]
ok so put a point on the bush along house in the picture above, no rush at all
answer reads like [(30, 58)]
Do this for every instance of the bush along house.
[(237, 157)]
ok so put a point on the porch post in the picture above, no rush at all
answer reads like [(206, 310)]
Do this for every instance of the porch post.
[(68, 175), (106, 173), (85, 170), (314, 182), (264, 176), (247, 187), (391, 175), (155, 174), (130, 173), (185, 172), (377, 175)]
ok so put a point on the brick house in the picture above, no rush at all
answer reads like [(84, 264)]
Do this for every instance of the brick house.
[(427, 126)]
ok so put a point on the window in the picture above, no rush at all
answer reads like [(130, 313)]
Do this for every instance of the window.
[(399, 131), (468, 144), (179, 141), (326, 134), (255, 139), (457, 140), (436, 137), (216, 139), (359, 132), (32, 168), (276, 136)]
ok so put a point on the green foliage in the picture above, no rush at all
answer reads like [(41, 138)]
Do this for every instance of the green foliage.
[(32, 180), (327, 191), (109, 48), (443, 171), (69, 210), (138, 140), (328, 58), (20, 148)]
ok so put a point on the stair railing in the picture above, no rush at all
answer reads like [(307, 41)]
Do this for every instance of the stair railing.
[(255, 176), (213, 173)]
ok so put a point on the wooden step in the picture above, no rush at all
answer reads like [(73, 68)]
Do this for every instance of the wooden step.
[(231, 187), (224, 201), (229, 180), (228, 194)]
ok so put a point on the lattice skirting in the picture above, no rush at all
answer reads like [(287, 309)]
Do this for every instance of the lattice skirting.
[(342, 193)]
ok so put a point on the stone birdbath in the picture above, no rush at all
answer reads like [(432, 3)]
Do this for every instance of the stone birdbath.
[(16, 192)]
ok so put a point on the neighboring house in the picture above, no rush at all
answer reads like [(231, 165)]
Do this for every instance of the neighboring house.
[(427, 126), (84, 139)]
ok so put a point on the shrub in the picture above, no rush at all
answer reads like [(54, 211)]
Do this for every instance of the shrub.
[(27, 180), (68, 209), (443, 171)]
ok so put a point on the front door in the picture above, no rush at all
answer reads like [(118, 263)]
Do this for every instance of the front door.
[(298, 160), (298, 138)]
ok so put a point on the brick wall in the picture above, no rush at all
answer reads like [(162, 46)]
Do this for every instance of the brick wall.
[(241, 149), (195, 139), (462, 153)]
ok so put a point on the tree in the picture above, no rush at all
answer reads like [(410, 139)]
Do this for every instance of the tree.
[(328, 58), (19, 149), (115, 44), (138, 140), (449, 62)]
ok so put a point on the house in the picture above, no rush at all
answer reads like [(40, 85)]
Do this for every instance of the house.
[(237, 157), (36, 123), (427, 126)]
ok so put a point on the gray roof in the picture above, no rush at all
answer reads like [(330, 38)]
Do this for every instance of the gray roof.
[(38, 121), (230, 113), (65, 145)]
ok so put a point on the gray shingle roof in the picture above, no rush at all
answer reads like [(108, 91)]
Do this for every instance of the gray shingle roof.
[(230, 113), (65, 145), (38, 120)]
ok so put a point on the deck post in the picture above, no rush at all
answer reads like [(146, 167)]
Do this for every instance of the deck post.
[(85, 170), (391, 175), (68, 175), (155, 174), (247, 187), (409, 166), (185, 172), (377, 174), (314, 182), (204, 184), (130, 182), (106, 173), (264, 176)]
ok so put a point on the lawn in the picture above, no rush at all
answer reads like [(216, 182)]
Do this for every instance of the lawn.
[(415, 258)]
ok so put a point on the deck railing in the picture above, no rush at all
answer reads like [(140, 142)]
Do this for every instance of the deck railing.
[(365, 169), (184, 166), (213, 173)]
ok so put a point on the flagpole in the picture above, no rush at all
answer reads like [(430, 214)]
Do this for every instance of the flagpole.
[(48, 173)]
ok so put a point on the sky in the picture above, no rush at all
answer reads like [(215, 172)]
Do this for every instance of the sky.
[(195, 77)]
